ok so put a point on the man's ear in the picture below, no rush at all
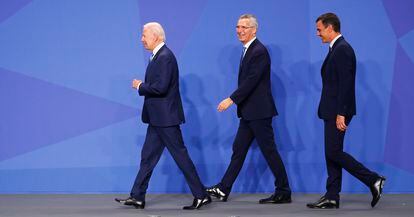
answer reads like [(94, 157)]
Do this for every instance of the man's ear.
[(330, 28), (254, 31)]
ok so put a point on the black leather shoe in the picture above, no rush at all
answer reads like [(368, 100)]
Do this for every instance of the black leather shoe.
[(216, 192), (324, 203), (277, 198), (198, 203), (376, 190), (130, 201)]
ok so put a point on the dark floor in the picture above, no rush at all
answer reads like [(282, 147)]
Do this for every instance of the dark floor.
[(160, 205)]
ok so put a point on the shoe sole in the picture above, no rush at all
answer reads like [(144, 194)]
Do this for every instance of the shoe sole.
[(380, 192), (323, 207), (281, 202), (214, 195)]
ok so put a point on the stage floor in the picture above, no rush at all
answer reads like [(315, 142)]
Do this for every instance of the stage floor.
[(163, 205)]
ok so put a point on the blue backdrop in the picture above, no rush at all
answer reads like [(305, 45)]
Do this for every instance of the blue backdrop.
[(70, 121)]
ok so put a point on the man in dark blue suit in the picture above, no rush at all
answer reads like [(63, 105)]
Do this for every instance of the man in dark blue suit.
[(163, 112), (336, 108), (255, 108)]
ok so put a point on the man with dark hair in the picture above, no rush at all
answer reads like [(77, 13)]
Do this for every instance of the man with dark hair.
[(255, 108), (337, 107), (330, 19)]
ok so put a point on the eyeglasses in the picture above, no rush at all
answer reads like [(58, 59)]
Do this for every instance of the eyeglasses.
[(244, 27)]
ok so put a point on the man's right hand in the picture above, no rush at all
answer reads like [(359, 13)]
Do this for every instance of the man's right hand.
[(136, 83), (226, 103)]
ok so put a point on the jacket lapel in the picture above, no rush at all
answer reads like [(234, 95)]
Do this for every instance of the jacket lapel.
[(152, 62), (247, 55), (325, 61), (246, 58), (248, 52), (330, 53)]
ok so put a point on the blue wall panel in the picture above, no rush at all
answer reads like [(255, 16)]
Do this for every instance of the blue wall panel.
[(70, 122)]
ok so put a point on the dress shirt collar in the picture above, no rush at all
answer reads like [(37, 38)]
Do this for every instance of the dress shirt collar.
[(157, 48), (334, 40), (247, 45)]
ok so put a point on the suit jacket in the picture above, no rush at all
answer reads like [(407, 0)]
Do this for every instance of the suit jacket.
[(338, 82), (254, 95), (162, 104)]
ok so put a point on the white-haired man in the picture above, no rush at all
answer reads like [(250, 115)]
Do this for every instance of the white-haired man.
[(163, 112), (256, 109)]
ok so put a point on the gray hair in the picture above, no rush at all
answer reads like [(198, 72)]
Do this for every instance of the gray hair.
[(252, 18), (157, 29)]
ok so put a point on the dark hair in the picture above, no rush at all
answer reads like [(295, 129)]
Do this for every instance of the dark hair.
[(330, 19)]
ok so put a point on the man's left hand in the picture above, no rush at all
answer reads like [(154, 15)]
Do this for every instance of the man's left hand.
[(340, 123)]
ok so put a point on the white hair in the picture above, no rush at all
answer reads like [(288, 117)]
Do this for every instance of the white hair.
[(156, 28), (252, 19)]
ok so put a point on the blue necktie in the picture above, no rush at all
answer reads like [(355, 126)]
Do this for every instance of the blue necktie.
[(242, 55)]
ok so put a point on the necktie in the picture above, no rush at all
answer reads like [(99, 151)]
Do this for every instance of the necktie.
[(242, 55)]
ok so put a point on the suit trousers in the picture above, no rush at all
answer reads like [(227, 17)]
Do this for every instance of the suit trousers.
[(262, 131), (336, 159), (156, 140)]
